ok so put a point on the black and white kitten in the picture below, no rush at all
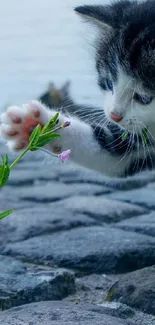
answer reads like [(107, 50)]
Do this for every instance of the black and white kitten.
[(123, 142)]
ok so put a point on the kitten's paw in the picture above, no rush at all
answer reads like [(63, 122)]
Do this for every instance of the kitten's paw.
[(17, 123)]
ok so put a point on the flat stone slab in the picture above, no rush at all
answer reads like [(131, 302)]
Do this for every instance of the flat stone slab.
[(136, 289), (144, 197), (83, 175), (55, 313), (100, 208), (22, 283), (29, 175), (53, 191), (89, 250), (117, 309), (120, 310), (10, 201), (144, 224), (40, 220)]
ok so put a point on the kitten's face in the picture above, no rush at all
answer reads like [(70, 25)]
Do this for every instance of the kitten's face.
[(126, 102), (125, 60)]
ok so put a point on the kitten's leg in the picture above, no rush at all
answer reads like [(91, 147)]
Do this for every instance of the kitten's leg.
[(18, 123)]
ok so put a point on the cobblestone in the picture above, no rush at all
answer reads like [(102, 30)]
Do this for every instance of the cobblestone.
[(76, 235)]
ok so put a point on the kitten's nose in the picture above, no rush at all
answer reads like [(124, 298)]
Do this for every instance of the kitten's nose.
[(116, 117)]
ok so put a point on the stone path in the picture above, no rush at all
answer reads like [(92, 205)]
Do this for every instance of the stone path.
[(79, 248)]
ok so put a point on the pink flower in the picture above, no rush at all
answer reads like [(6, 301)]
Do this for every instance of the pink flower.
[(65, 155), (67, 123)]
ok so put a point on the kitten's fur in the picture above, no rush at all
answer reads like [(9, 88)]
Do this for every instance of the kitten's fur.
[(125, 62)]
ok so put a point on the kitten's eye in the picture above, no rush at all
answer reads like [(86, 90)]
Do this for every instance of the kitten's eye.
[(143, 100), (109, 84), (106, 84)]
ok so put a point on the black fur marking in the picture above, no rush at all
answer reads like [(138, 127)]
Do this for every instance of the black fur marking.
[(139, 166), (112, 140), (117, 146)]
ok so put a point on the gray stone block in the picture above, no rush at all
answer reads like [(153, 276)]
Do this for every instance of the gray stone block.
[(82, 175), (117, 309), (52, 191), (22, 283), (28, 175), (144, 224), (100, 208), (40, 220), (136, 289), (89, 250), (55, 313), (10, 201), (143, 197)]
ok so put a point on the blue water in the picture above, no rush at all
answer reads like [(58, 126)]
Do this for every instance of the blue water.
[(44, 40)]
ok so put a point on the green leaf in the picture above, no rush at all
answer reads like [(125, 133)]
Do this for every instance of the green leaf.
[(144, 135), (55, 118), (124, 135), (50, 124), (45, 139), (4, 174), (5, 213), (33, 148), (5, 160), (35, 135)]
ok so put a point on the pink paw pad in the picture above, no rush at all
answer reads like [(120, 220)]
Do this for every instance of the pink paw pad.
[(20, 146), (28, 126), (36, 114), (12, 133), (15, 119)]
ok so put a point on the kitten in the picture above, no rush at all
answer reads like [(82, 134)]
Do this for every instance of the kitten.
[(61, 100), (123, 142), (56, 98)]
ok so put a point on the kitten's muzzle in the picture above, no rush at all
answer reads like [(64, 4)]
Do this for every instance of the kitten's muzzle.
[(116, 117)]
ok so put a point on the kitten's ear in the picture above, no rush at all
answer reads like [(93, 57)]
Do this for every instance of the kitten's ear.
[(51, 87), (104, 16), (96, 15), (65, 89)]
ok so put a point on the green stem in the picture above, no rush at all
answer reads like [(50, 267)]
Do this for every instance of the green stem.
[(18, 158)]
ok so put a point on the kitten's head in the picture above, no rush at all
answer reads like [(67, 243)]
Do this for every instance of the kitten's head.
[(125, 60), (54, 96)]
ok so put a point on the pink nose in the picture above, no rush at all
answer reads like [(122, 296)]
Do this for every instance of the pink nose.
[(116, 117)]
